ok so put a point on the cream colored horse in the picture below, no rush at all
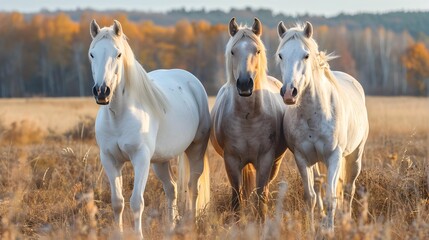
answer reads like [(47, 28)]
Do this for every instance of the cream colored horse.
[(326, 118), (147, 118), (247, 117)]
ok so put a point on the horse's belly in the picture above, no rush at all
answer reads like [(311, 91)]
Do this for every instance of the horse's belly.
[(170, 146), (176, 132)]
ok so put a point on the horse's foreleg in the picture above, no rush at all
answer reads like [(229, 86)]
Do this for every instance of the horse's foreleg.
[(334, 162), (306, 172), (165, 175), (140, 161), (318, 181), (264, 172), (113, 171), (233, 170)]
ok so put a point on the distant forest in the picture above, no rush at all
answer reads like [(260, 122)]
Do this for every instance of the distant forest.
[(45, 53)]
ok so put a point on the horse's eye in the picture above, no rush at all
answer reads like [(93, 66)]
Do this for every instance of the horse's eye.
[(280, 56), (119, 55), (306, 56), (258, 52), (232, 53), (92, 56)]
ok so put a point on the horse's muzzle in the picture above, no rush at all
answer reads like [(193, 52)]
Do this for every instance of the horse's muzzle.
[(245, 87), (289, 95), (101, 94)]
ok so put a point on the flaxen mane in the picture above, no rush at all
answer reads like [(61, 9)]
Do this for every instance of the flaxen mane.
[(137, 82), (246, 32)]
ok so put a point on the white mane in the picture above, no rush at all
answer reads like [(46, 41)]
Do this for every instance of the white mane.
[(137, 83), (318, 61)]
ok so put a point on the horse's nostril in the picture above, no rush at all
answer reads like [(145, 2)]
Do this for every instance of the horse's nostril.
[(294, 92), (107, 91), (282, 91), (94, 91)]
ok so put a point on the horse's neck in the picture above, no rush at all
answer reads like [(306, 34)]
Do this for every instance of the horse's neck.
[(121, 99), (317, 97)]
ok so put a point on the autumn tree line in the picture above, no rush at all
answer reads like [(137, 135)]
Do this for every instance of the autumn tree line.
[(46, 54)]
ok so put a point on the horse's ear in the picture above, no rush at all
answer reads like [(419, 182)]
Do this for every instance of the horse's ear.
[(257, 27), (281, 29), (232, 27), (117, 28), (94, 29), (308, 29)]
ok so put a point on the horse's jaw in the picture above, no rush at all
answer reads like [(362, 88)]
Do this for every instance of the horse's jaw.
[(102, 101), (245, 93), (290, 101)]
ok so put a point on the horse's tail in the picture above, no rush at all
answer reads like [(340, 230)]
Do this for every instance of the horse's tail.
[(203, 185), (249, 180)]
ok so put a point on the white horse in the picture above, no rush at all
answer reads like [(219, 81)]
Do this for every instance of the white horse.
[(247, 117), (147, 118), (326, 118)]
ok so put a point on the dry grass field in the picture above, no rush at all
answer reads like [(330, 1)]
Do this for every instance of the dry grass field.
[(52, 185)]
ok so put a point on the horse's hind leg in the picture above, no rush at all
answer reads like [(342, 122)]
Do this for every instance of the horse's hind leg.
[(353, 169), (276, 168), (195, 153), (164, 173), (113, 171)]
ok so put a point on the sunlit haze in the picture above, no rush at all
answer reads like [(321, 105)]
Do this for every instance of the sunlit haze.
[(315, 7)]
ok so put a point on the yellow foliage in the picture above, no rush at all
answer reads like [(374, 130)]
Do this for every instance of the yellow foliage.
[(416, 61)]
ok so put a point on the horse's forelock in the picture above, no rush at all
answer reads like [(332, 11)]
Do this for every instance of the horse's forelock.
[(319, 59), (107, 32), (244, 31)]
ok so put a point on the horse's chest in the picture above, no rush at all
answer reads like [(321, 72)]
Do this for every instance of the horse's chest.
[(248, 138), (123, 139), (313, 138)]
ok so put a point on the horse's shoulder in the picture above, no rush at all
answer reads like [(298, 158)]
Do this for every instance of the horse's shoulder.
[(274, 82), (221, 102), (348, 82)]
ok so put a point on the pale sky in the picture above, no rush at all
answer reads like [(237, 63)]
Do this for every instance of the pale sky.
[(289, 7)]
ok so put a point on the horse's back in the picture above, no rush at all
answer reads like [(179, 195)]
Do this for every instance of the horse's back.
[(178, 84), (350, 84), (163, 78), (187, 109), (274, 84), (353, 97)]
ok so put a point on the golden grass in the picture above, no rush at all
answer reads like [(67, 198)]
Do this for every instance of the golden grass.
[(52, 185)]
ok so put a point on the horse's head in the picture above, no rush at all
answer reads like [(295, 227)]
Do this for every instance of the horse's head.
[(295, 58), (105, 54), (244, 55)]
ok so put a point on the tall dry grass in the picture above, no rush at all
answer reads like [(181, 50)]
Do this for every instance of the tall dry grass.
[(52, 186)]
